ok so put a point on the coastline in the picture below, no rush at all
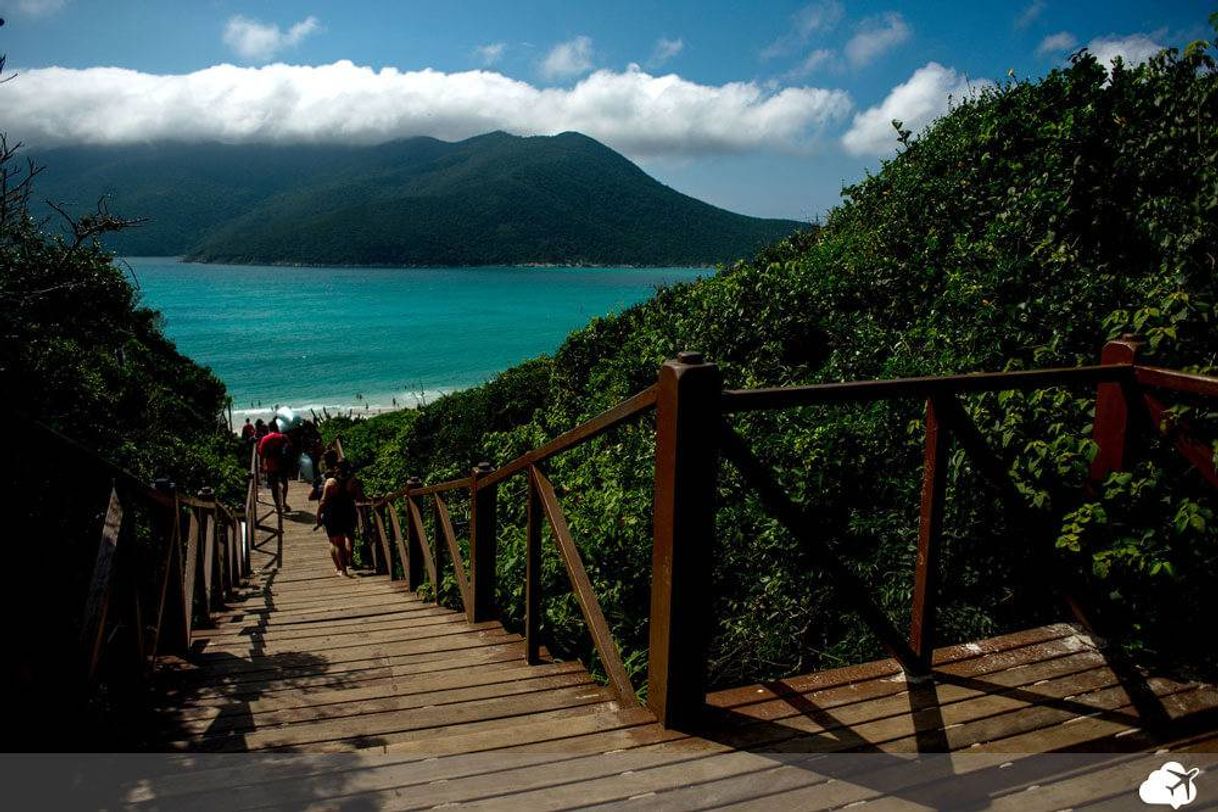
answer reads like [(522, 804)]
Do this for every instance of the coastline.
[(573, 265), (313, 407)]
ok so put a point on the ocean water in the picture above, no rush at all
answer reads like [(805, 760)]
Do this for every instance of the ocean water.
[(368, 339)]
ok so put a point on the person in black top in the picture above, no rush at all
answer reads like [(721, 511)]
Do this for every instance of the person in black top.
[(336, 510)]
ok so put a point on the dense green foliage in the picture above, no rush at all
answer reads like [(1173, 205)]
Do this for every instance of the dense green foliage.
[(79, 353), (1022, 230), (491, 200)]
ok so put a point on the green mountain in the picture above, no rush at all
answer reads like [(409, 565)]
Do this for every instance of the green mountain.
[(492, 199)]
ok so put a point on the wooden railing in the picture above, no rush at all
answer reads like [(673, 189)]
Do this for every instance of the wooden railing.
[(477, 587), (692, 431), (200, 555)]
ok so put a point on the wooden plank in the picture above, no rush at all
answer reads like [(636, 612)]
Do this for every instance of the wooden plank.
[(426, 616), (97, 602), (356, 703), (441, 688), (1003, 651), (372, 728), (606, 648), (444, 525), (267, 646)]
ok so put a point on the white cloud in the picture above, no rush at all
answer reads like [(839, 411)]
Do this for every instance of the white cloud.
[(567, 59), (1057, 43), (1030, 14), (665, 50), (875, 36), (1133, 49), (260, 42), (490, 53), (812, 62), (632, 111), (814, 18), (915, 103), (37, 8)]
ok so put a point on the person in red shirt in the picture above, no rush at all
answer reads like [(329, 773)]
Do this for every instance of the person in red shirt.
[(274, 450)]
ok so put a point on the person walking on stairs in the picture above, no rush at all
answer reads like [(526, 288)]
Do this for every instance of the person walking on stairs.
[(275, 450), (336, 510)]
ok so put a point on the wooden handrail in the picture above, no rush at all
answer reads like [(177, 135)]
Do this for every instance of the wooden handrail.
[(1189, 382), (745, 400), (582, 433), (691, 433), (606, 649)]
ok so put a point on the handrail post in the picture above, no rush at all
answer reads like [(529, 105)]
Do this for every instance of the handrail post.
[(532, 572), (687, 430), (1115, 432), (482, 544), (209, 552), (173, 615), (930, 537), (414, 544)]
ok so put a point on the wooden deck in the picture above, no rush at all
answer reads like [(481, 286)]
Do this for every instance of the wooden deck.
[(432, 710), (309, 661)]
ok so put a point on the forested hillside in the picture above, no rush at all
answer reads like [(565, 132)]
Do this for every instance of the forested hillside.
[(1022, 230), (490, 200)]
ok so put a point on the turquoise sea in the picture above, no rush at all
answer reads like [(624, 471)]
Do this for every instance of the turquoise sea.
[(370, 338)]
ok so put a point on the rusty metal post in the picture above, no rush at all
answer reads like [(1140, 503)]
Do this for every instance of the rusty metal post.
[(1115, 429), (414, 545), (687, 430), (482, 544), (930, 537)]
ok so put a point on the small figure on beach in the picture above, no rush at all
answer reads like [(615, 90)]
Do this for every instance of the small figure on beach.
[(275, 450), (337, 510)]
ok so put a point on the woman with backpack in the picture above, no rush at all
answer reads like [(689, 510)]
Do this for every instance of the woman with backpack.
[(336, 510)]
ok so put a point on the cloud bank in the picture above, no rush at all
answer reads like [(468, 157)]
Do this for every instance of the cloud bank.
[(916, 103), (260, 42), (637, 113)]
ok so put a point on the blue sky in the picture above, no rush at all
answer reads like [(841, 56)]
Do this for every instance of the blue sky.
[(765, 107)]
